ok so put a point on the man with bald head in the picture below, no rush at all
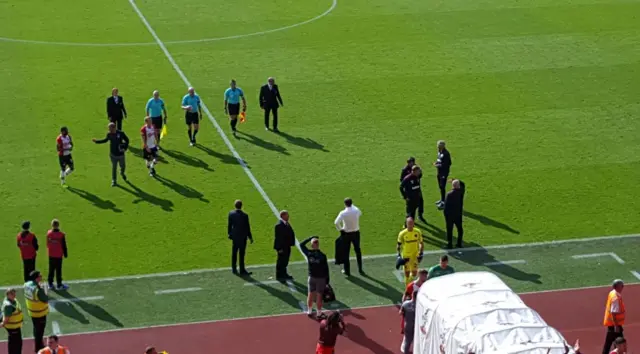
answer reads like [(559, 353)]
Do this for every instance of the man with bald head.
[(269, 99), (155, 108), (453, 212), (115, 109), (193, 112)]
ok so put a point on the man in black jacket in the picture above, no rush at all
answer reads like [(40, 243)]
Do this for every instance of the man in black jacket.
[(406, 170), (269, 98), (239, 230), (411, 191), (443, 164), (118, 144), (453, 206), (115, 109), (285, 238), (318, 274)]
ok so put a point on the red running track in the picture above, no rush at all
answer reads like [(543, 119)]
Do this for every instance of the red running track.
[(576, 313)]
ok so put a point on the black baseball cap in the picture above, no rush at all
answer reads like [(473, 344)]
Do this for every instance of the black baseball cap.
[(26, 225)]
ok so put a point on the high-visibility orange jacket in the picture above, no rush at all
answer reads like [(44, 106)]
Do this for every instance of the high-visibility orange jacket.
[(614, 319)]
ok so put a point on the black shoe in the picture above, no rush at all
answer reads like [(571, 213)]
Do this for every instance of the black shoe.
[(244, 273), (114, 183), (288, 277), (458, 246), (449, 247), (346, 274), (361, 271), (124, 177), (275, 130), (234, 271), (423, 219)]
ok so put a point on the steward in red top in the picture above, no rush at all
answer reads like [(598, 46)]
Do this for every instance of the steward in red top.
[(330, 329), (28, 245), (57, 246)]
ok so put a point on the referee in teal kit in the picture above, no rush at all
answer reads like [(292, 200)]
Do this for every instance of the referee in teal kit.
[(232, 97), (193, 112), (155, 108)]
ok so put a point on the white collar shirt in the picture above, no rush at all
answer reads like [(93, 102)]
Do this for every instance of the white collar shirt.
[(115, 99), (348, 220)]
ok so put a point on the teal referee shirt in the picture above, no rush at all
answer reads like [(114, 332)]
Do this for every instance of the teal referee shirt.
[(233, 96), (193, 101), (155, 107)]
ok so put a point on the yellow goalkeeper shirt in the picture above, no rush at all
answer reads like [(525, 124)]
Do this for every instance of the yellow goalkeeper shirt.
[(410, 242)]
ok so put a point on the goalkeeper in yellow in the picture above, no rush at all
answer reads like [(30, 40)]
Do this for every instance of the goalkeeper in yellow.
[(410, 248)]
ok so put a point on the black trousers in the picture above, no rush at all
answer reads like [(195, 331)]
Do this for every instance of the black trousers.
[(610, 338), (348, 239), (28, 266), (282, 262), (268, 109), (39, 325), (412, 205), (55, 269), (442, 185), (118, 122), (14, 341), (238, 250), (451, 221)]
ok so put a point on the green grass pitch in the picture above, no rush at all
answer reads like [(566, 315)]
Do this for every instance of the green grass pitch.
[(537, 100)]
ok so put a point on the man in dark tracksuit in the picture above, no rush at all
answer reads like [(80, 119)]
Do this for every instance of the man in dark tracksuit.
[(118, 144), (443, 164), (284, 239), (318, 274), (28, 245), (453, 206), (411, 192), (239, 230), (406, 170)]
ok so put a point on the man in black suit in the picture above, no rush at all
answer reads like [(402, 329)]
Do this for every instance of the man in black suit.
[(453, 207), (239, 231), (115, 109), (284, 239), (269, 98)]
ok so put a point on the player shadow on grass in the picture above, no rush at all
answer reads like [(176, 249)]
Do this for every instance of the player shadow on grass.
[(187, 160), (92, 309), (143, 196), (67, 309), (138, 153), (95, 200), (478, 256), (358, 336), (224, 158), (490, 222), (303, 142), (380, 289), (285, 296), (262, 143), (182, 189)]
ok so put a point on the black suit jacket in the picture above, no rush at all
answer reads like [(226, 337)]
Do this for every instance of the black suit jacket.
[(284, 236), (270, 98), (454, 201), (238, 227), (115, 110)]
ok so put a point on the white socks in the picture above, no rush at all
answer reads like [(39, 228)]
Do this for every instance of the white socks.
[(67, 172)]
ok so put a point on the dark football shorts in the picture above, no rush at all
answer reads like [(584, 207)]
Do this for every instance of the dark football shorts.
[(149, 155), (157, 122), (191, 118), (65, 161), (234, 109)]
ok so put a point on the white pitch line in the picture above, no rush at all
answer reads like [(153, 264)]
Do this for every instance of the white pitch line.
[(174, 291), (116, 330), (303, 306), (292, 287), (399, 275), (213, 120), (635, 274), (604, 254), (76, 299), (377, 256), (258, 283), (502, 263), (56, 328)]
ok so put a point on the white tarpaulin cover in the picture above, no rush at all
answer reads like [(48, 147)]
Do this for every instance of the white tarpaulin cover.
[(476, 312)]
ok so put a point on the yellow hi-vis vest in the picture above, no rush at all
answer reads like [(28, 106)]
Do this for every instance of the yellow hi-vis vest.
[(35, 307), (15, 320), (61, 350)]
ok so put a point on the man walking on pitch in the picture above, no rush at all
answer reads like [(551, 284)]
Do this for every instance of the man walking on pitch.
[(441, 269), (453, 207), (406, 170), (57, 246), (37, 307), (269, 98), (239, 230), (614, 315), (28, 245), (443, 164), (193, 111), (348, 223), (410, 248), (12, 318), (284, 239), (118, 144), (115, 108), (232, 97), (411, 191), (64, 145), (155, 109), (150, 137), (318, 274)]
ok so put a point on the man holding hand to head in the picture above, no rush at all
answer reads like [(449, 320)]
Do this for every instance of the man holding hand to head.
[(318, 274), (193, 111)]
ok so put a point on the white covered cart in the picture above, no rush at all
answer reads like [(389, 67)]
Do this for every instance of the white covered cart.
[(476, 312)]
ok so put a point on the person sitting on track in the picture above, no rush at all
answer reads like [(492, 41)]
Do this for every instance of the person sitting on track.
[(330, 328)]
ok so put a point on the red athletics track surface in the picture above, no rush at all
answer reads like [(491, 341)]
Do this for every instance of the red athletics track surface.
[(576, 313)]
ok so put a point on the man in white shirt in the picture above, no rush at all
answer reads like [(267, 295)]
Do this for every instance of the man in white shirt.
[(348, 223)]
